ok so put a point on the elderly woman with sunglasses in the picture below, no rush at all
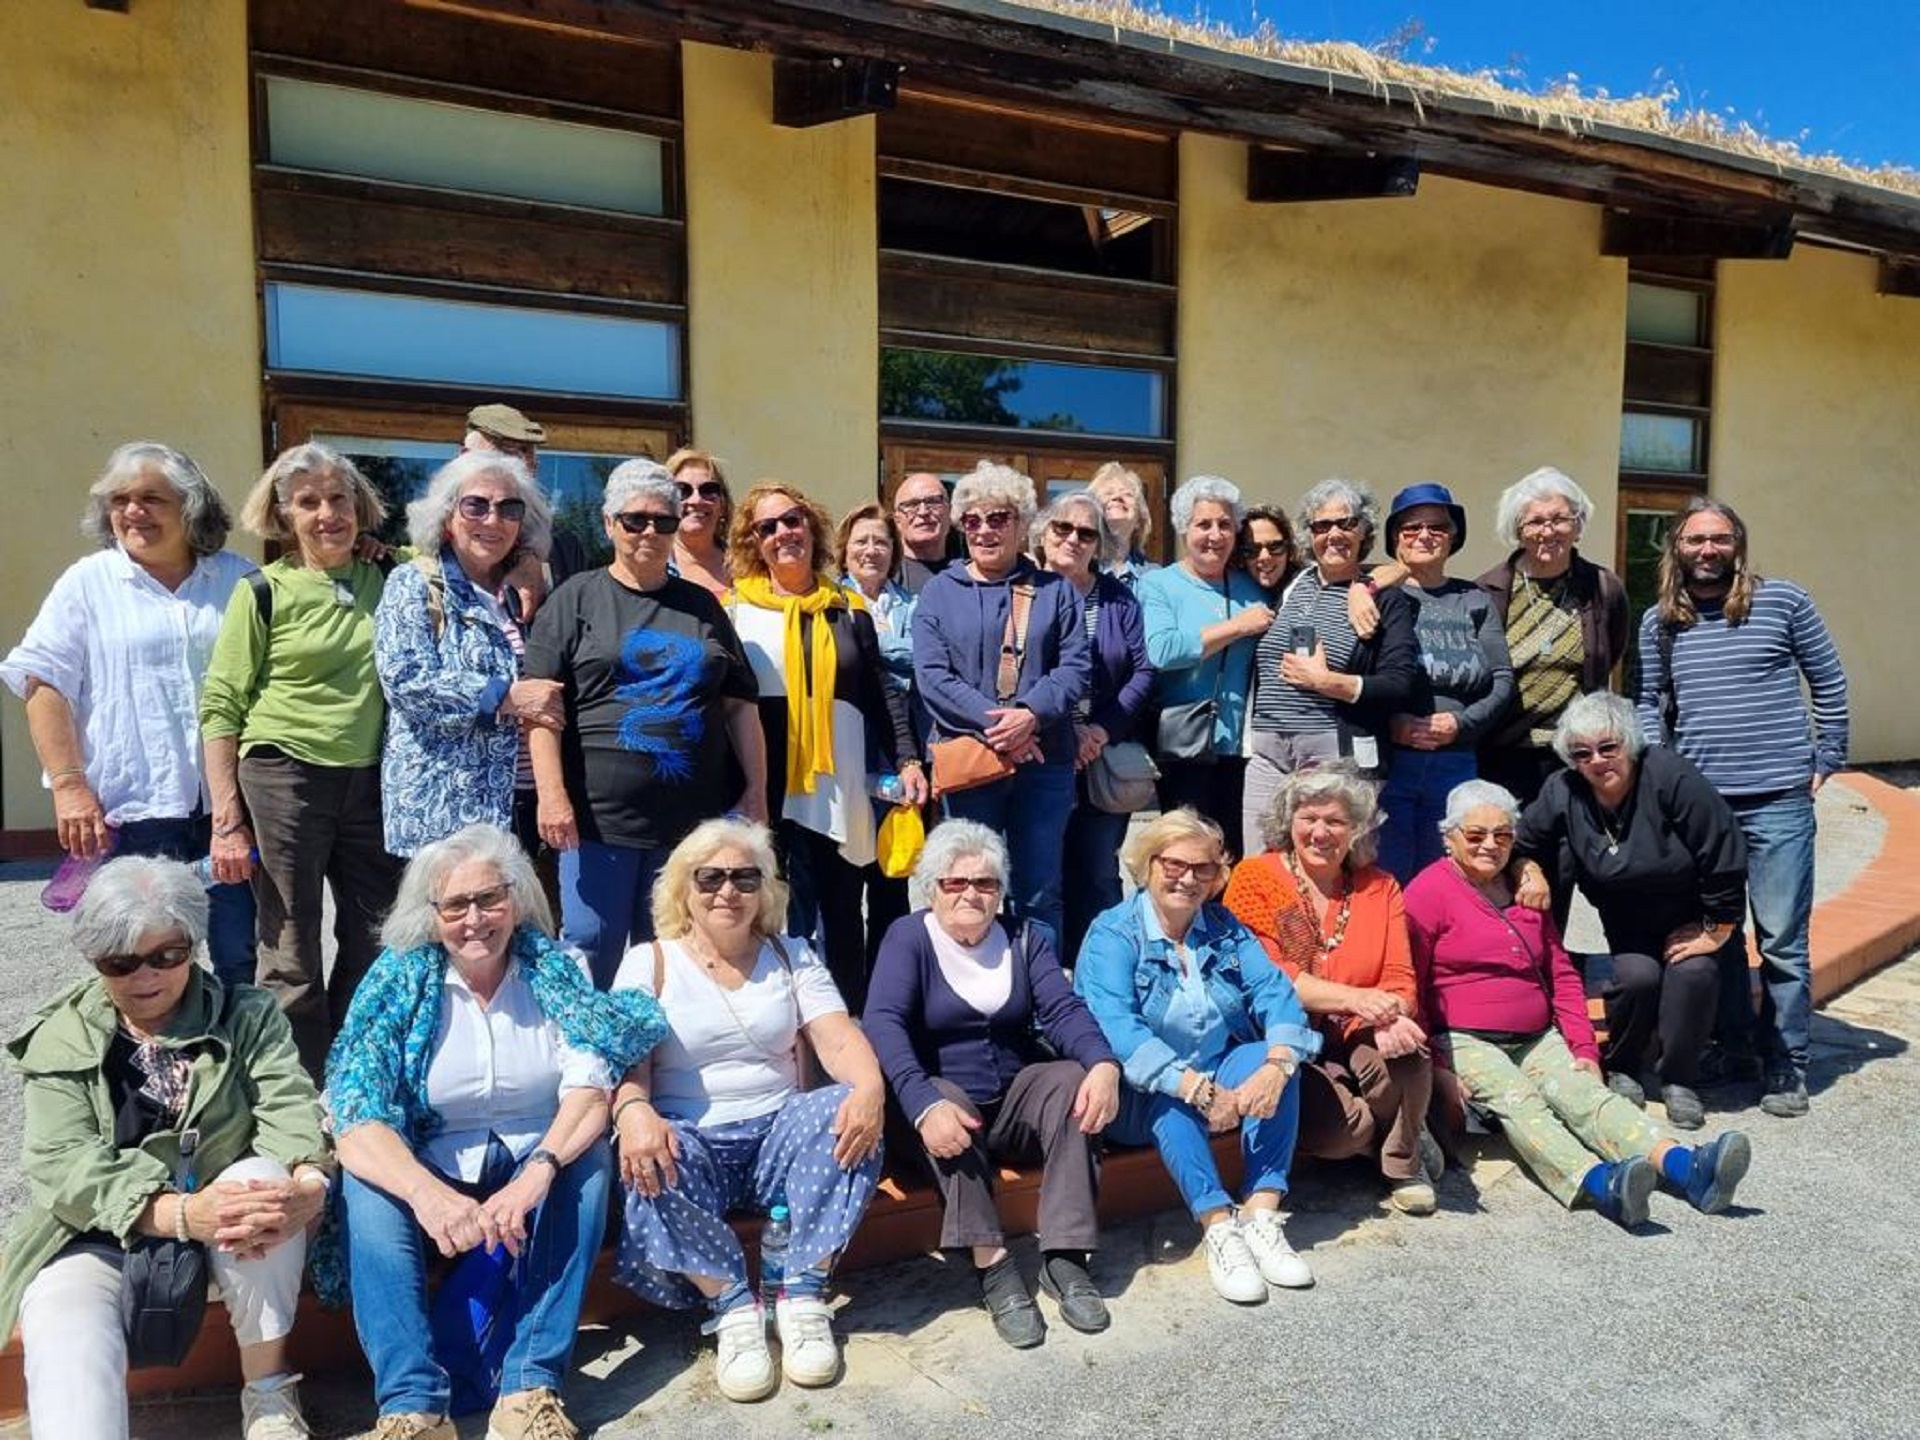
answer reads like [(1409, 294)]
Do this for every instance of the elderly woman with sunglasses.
[(721, 1118), (825, 707), (961, 1015), (1509, 1016), (1660, 854), (1001, 659), (448, 641), (119, 1071), (1210, 1035), (1566, 623), (1070, 538), (1325, 690), (468, 1091), (706, 519), (658, 698)]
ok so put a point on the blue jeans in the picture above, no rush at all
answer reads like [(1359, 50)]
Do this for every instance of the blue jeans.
[(1180, 1133), (1030, 808), (1091, 872), (387, 1258), (1780, 832), (606, 902), (230, 913), (1415, 801)]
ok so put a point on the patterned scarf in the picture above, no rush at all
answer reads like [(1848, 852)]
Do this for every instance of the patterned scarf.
[(809, 688)]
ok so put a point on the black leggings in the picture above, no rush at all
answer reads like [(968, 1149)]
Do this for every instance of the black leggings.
[(1673, 1005)]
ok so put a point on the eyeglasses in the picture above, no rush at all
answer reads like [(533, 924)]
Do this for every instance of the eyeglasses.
[(708, 879), (794, 519), (638, 522), (1721, 541), (478, 507), (1272, 549), (1556, 524), (1481, 837), (1066, 530), (706, 490), (960, 884), (988, 519), (167, 957), (1206, 871), (145, 499), (1443, 528), (490, 901), (1587, 754), (1345, 524), (924, 503)]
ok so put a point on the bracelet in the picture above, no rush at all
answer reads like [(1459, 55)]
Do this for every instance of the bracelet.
[(307, 1173), (628, 1103), (221, 832), (912, 764), (180, 1217), (58, 775)]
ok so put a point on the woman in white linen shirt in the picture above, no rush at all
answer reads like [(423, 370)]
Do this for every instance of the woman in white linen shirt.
[(111, 670)]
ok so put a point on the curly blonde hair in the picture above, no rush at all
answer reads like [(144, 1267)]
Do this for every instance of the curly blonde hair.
[(673, 886)]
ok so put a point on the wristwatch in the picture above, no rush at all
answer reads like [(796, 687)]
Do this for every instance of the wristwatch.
[(544, 1156)]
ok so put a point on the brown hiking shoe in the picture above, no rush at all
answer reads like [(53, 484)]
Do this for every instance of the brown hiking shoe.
[(414, 1426), (530, 1415)]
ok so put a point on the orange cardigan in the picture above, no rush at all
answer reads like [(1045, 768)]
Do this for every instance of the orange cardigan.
[(1374, 954)]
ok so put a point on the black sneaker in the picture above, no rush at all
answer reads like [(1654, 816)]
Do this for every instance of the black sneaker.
[(1722, 1066), (1016, 1319), (1064, 1278), (1786, 1097), (1684, 1110), (1627, 1088)]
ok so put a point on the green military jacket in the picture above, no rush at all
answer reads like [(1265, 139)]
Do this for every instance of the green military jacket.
[(246, 1095)]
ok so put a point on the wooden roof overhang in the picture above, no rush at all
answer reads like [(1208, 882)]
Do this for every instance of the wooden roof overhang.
[(1661, 189)]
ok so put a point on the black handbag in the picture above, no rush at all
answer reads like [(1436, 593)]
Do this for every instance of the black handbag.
[(1185, 732), (163, 1300)]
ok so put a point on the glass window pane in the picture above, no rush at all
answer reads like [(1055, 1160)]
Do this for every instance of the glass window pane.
[(406, 337), (1662, 314), (1659, 442), (1013, 230), (1646, 539), (1020, 394), (457, 147)]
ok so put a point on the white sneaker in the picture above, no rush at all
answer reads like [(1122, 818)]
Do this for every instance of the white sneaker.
[(1231, 1264), (808, 1353), (1268, 1245), (744, 1368), (273, 1414)]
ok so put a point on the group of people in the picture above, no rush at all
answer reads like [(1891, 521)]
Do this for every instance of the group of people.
[(692, 753)]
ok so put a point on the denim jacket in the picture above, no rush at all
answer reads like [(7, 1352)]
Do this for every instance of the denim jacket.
[(449, 759), (1127, 972)]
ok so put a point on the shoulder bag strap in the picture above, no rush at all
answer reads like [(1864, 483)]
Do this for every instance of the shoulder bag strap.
[(1013, 644)]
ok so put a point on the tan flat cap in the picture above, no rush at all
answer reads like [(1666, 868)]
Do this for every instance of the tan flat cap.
[(503, 422)]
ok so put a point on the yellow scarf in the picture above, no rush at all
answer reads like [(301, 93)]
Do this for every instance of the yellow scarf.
[(809, 705)]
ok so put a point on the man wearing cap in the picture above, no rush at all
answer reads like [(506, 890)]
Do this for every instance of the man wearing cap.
[(1463, 649), (503, 428), (921, 511)]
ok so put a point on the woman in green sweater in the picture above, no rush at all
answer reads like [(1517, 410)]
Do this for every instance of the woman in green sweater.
[(291, 716)]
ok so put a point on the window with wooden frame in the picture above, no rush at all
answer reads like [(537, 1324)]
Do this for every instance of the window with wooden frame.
[(451, 211), (1026, 295)]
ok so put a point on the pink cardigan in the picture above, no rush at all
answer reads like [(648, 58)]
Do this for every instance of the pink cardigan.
[(1484, 969)]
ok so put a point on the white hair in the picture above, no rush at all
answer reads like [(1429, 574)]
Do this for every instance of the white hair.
[(1471, 795), (640, 480), (413, 922), (1546, 483), (987, 483), (428, 516), (133, 895), (1084, 498), (1356, 497), (950, 842), (1200, 488), (202, 510), (1598, 715)]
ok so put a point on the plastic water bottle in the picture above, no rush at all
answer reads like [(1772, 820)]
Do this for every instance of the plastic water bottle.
[(887, 787), (773, 1252), (70, 880), (203, 869)]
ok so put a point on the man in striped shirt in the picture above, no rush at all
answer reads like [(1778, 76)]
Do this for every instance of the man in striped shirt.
[(1724, 654)]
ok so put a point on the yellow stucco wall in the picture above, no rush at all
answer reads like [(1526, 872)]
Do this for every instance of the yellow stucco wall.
[(1816, 441), (126, 281), (1465, 335), (782, 282)]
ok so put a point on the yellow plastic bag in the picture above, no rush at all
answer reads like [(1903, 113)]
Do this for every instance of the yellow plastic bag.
[(902, 836)]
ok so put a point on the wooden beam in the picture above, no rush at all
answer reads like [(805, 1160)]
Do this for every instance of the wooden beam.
[(1290, 176), (118, 6), (1765, 238), (1900, 275), (820, 90)]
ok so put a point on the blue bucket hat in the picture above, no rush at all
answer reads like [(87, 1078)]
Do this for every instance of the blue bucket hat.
[(1426, 493)]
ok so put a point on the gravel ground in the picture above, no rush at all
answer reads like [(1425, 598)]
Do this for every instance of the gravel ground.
[(1502, 1316)]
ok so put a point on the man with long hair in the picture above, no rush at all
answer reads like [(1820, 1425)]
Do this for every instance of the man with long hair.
[(1723, 657)]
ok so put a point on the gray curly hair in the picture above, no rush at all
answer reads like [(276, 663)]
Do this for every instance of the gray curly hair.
[(1200, 488), (1546, 483), (989, 482), (202, 510), (640, 479), (1339, 782), (1356, 497), (413, 922), (1109, 545), (427, 517), (949, 842)]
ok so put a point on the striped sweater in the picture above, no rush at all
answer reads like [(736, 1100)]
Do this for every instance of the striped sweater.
[(1741, 715)]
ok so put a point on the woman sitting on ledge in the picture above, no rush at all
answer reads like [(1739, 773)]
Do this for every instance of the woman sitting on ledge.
[(159, 1103)]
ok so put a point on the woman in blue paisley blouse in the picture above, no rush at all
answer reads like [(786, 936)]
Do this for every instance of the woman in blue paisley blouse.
[(448, 646), (468, 1089)]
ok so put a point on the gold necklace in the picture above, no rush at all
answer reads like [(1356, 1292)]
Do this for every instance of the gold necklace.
[(1328, 943)]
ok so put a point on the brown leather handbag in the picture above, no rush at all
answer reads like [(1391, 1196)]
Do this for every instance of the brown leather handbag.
[(966, 762)]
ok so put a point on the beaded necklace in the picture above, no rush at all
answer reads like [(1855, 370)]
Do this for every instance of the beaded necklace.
[(1328, 943)]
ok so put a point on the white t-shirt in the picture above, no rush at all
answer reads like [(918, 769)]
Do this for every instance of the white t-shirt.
[(728, 1054)]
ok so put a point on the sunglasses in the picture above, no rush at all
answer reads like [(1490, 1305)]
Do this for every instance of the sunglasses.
[(167, 957), (1587, 754), (1206, 872), (1272, 549), (1345, 524), (638, 522), (988, 520), (708, 879), (960, 884), (707, 490), (1066, 530), (1481, 837), (478, 507), (794, 519), (1441, 528), (488, 902)]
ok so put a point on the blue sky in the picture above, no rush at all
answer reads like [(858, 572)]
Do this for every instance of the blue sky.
[(1841, 71)]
